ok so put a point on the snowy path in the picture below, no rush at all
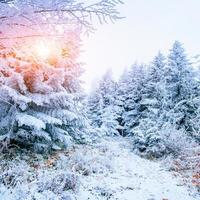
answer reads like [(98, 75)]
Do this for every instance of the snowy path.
[(132, 178)]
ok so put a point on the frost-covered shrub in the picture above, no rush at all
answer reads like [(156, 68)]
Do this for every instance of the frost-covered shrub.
[(167, 140), (176, 141), (87, 164), (14, 178), (58, 182), (14, 171), (86, 161), (20, 180)]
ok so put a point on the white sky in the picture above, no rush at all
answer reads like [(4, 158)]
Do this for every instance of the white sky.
[(149, 26)]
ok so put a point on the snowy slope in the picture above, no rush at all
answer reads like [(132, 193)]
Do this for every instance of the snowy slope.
[(132, 178), (108, 170)]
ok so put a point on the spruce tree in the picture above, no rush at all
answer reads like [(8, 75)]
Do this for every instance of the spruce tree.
[(146, 134), (133, 94), (94, 106), (103, 109), (120, 94), (181, 88), (41, 100)]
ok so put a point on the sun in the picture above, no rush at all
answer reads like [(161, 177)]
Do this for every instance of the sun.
[(48, 51), (42, 51)]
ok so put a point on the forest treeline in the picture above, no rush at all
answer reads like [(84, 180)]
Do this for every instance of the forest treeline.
[(44, 108), (157, 104)]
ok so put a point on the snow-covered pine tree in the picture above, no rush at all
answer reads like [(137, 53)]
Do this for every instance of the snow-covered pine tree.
[(133, 94), (152, 93), (103, 109), (181, 89), (111, 105), (40, 101), (146, 134), (94, 108), (120, 98)]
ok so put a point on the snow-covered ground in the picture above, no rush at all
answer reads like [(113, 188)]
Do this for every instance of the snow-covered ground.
[(107, 170), (131, 177)]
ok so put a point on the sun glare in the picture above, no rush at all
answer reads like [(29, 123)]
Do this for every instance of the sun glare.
[(43, 51), (46, 50)]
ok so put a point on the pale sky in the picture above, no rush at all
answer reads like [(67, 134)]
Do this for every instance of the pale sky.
[(149, 26)]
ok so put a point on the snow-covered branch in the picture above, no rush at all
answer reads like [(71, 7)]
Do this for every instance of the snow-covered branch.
[(28, 16)]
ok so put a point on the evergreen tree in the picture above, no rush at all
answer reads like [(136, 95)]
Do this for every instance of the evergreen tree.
[(133, 90), (146, 134), (121, 96), (94, 108), (181, 88), (103, 109), (40, 101)]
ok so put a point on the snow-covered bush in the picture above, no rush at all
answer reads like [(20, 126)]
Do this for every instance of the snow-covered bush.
[(57, 182), (14, 173), (90, 161), (176, 141), (167, 140), (28, 176)]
